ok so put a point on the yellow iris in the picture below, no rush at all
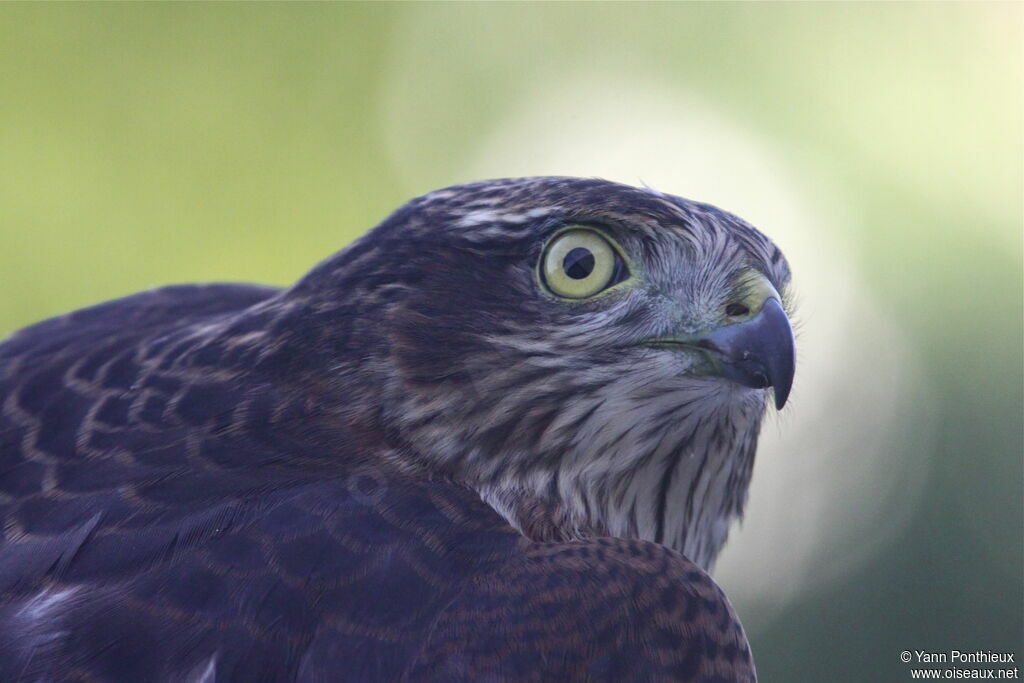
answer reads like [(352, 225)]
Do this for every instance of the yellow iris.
[(579, 263)]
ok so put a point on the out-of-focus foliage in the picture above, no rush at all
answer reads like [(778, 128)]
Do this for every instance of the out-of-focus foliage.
[(880, 143)]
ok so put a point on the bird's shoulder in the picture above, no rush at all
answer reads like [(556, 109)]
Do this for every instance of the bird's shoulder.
[(101, 350), (131, 317), (598, 609), (94, 409)]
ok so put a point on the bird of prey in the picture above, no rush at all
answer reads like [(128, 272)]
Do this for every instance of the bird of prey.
[(502, 436)]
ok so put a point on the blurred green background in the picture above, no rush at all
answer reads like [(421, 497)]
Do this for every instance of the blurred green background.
[(880, 144)]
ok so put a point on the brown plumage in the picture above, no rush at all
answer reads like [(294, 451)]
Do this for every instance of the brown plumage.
[(428, 459)]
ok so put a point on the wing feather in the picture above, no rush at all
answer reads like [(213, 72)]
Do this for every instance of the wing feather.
[(603, 609)]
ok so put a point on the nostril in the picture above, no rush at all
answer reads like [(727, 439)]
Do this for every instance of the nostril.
[(736, 310)]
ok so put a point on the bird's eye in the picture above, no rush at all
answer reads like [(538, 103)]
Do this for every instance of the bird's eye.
[(579, 263)]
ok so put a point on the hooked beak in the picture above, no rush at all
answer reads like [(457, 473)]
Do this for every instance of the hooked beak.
[(758, 353)]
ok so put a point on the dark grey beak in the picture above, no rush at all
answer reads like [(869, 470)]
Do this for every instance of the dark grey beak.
[(758, 353)]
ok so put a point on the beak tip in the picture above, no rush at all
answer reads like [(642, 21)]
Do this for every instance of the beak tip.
[(782, 361), (781, 396)]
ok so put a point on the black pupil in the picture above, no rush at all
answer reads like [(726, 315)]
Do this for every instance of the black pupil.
[(578, 263)]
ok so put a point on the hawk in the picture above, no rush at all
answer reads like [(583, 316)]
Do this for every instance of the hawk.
[(502, 436)]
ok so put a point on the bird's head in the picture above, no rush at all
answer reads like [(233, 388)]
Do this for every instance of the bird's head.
[(604, 349)]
